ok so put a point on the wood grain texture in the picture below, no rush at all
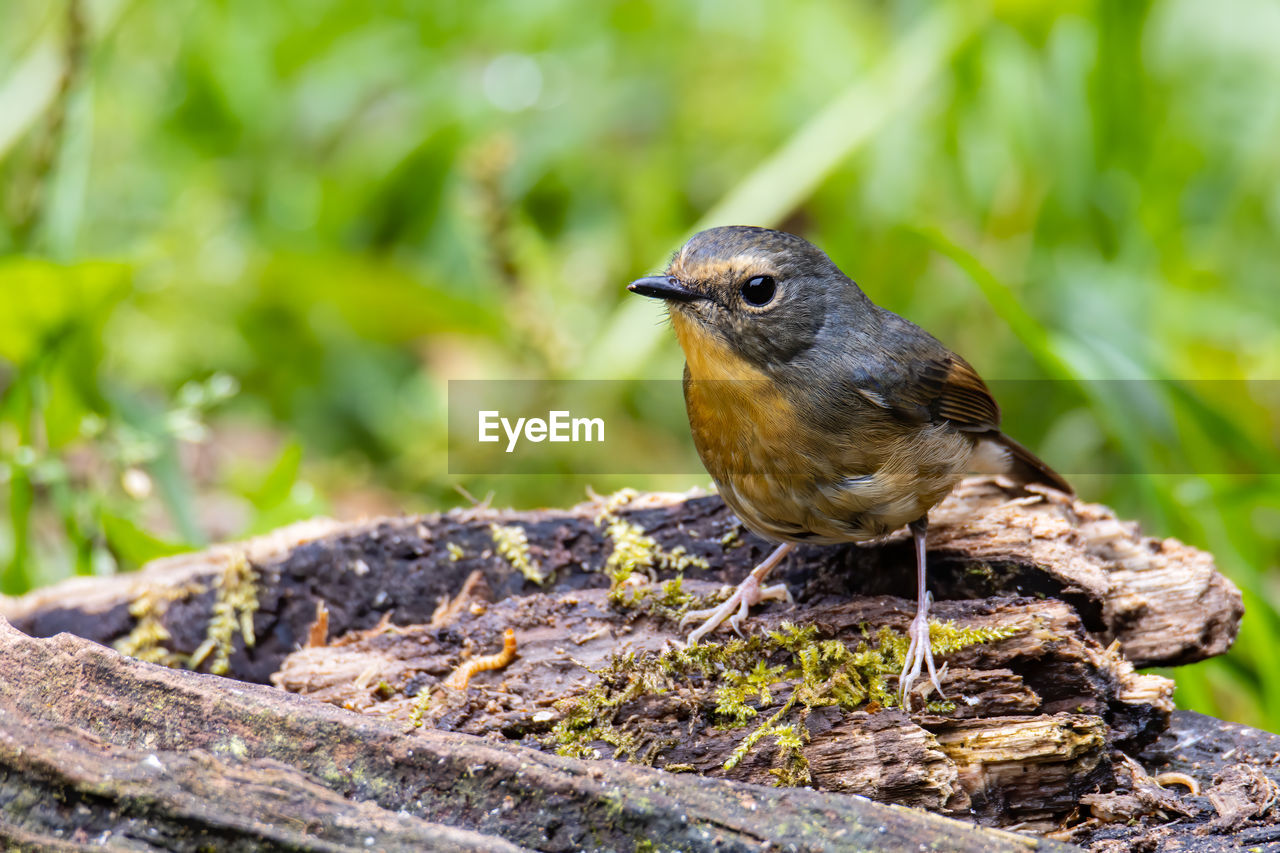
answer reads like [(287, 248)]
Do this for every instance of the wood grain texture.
[(1164, 601), (99, 751), (1044, 709), (1036, 715)]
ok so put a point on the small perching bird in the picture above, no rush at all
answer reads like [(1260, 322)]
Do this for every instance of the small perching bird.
[(822, 417)]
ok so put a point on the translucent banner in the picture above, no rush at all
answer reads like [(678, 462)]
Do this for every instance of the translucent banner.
[(576, 427)]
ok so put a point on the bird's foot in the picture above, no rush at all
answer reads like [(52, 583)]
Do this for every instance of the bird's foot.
[(919, 656), (748, 593)]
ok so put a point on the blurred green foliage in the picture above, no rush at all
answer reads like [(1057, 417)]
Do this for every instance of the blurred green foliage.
[(246, 244)]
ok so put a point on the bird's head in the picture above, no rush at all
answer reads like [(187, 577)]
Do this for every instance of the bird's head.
[(744, 299)]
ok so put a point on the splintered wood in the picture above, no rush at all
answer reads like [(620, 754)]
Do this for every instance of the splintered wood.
[(1035, 714), (135, 756), (1043, 605)]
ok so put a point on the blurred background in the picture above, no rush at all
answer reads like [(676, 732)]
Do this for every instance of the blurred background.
[(245, 245)]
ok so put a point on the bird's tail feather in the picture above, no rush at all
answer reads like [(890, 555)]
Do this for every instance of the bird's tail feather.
[(1016, 461)]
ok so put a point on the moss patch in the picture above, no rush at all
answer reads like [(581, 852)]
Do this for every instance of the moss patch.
[(148, 638), (634, 550), (785, 674), (513, 545), (233, 609)]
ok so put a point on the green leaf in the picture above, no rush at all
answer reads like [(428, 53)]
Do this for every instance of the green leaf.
[(276, 486), (45, 302), (134, 545)]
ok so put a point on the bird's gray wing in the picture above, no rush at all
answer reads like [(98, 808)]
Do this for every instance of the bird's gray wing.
[(921, 381)]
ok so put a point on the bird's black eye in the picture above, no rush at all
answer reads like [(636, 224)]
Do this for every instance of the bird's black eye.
[(759, 290)]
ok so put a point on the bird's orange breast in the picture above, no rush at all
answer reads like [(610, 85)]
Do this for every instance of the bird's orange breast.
[(736, 412), (747, 434), (786, 477)]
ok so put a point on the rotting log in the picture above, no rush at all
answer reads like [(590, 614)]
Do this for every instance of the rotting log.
[(1047, 604), (1038, 710), (1204, 786), (99, 751), (1162, 600)]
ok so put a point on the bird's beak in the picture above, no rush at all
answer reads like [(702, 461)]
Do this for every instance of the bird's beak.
[(664, 287)]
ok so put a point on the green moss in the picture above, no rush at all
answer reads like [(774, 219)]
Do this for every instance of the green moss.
[(513, 545), (421, 707), (669, 601), (633, 565), (788, 672), (233, 609), (947, 637), (980, 570), (148, 638), (791, 766), (770, 727), (636, 551)]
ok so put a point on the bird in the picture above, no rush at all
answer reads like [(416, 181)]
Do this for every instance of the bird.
[(821, 417)]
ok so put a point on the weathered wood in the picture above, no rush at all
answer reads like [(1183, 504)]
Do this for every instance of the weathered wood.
[(98, 750), (1236, 770), (1036, 715), (1163, 600), (1047, 594), (62, 782)]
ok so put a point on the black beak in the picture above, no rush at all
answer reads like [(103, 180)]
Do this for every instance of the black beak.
[(664, 287)]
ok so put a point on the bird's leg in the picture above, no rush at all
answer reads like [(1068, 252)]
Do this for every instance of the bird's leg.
[(919, 652), (748, 593)]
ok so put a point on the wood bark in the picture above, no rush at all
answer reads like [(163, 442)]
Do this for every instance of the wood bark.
[(1062, 598), (1164, 601), (1234, 805), (1036, 717), (101, 751)]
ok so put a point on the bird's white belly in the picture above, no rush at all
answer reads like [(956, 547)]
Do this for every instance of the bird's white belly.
[(812, 503)]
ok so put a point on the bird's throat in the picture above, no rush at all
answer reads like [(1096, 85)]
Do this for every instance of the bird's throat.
[(708, 357)]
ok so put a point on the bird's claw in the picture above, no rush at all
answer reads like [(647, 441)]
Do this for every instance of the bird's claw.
[(735, 608), (919, 656), (695, 615), (777, 592)]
